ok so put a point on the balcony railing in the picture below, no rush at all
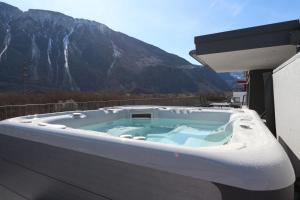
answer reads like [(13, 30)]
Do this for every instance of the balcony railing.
[(10, 111)]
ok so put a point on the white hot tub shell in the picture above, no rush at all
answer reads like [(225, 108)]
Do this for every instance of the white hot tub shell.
[(48, 156)]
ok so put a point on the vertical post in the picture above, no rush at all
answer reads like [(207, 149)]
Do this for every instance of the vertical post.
[(261, 97), (256, 91)]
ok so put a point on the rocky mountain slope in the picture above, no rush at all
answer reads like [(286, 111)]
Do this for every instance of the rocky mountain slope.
[(44, 50)]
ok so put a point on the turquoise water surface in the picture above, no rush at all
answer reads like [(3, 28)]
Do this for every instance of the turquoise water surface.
[(191, 133)]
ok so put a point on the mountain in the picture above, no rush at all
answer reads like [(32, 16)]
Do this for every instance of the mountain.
[(45, 50), (231, 79)]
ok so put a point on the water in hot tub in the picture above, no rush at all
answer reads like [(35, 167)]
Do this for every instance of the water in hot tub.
[(191, 133)]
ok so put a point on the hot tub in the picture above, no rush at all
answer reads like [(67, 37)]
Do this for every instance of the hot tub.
[(143, 152)]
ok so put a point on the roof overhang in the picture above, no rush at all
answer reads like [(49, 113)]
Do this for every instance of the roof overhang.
[(261, 47)]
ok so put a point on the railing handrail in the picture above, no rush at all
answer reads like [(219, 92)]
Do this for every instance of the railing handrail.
[(10, 111), (102, 101)]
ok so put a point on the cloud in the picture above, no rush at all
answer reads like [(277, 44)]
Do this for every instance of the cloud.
[(233, 8), (237, 9), (213, 3)]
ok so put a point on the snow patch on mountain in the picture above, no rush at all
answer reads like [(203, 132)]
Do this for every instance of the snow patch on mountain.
[(6, 42), (50, 67), (68, 79), (116, 54), (35, 57)]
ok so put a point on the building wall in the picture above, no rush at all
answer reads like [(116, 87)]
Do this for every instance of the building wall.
[(287, 105)]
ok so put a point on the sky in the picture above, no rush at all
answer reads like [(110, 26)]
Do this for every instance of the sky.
[(171, 24)]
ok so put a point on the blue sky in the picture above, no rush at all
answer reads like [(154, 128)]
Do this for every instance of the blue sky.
[(172, 24)]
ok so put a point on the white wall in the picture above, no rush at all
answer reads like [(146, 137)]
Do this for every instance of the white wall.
[(286, 80)]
